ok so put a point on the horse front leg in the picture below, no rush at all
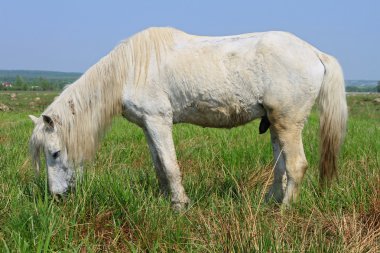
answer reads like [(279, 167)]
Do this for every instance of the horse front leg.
[(161, 176), (158, 131)]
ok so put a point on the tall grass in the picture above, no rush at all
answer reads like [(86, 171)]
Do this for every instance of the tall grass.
[(118, 207)]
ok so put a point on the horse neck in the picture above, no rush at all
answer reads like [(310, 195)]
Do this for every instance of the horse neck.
[(86, 108)]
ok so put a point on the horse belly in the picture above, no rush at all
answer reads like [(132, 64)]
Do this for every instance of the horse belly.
[(207, 114)]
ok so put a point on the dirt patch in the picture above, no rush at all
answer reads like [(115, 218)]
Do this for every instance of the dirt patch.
[(4, 108), (110, 238), (4, 139)]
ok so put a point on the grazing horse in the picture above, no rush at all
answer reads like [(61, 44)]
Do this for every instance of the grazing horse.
[(163, 76)]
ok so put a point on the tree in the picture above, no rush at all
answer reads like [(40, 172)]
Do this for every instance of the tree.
[(19, 83), (378, 86), (44, 84)]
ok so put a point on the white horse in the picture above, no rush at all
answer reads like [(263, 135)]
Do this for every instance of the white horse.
[(163, 76)]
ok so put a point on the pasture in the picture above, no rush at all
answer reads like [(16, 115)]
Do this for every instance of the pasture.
[(226, 173)]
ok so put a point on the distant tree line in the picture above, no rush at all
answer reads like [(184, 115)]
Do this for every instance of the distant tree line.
[(40, 83), (364, 88)]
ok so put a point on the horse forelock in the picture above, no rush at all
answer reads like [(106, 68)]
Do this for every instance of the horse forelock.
[(76, 119), (35, 145)]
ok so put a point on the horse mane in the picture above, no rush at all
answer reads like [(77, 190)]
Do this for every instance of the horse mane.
[(84, 110), (147, 46)]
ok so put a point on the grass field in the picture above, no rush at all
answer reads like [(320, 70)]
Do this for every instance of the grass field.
[(226, 173)]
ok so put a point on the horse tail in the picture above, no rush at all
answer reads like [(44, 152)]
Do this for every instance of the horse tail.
[(333, 117)]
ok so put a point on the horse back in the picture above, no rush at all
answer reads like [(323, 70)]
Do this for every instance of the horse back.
[(229, 81)]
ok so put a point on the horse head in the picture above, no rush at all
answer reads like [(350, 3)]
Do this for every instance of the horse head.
[(46, 138)]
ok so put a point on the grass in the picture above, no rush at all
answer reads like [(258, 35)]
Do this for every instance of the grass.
[(118, 208)]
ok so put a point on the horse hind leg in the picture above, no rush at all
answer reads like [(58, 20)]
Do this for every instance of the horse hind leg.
[(296, 166), (158, 132), (276, 191), (290, 139)]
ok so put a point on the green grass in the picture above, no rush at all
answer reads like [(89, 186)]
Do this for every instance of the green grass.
[(118, 207)]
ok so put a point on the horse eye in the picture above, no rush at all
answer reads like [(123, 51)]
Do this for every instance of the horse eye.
[(56, 154)]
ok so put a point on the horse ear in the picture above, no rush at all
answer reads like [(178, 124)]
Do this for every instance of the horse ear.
[(48, 121), (34, 119)]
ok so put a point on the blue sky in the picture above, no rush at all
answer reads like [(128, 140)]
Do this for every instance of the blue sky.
[(72, 35)]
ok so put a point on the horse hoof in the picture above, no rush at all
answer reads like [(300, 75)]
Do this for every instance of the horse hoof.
[(273, 196), (180, 206)]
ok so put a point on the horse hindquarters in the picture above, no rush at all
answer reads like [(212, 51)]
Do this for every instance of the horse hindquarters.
[(287, 113)]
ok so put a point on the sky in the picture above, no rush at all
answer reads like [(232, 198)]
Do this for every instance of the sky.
[(72, 35)]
